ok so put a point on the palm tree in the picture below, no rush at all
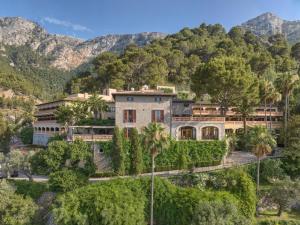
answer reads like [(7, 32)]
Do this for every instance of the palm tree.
[(155, 140), (245, 106), (97, 105), (265, 92), (286, 83), (261, 143), (275, 96)]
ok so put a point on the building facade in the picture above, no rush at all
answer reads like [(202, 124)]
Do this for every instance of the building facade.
[(182, 119)]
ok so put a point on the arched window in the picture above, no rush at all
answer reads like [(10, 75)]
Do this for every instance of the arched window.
[(187, 133), (47, 129), (210, 133), (52, 129), (43, 129), (56, 129)]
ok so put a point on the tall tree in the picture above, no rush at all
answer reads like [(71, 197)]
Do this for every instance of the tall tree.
[(136, 152), (286, 83), (291, 155), (118, 154), (225, 79), (154, 140), (261, 143), (247, 102)]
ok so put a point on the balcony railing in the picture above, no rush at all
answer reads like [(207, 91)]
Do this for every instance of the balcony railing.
[(233, 113), (91, 137), (240, 124), (191, 118)]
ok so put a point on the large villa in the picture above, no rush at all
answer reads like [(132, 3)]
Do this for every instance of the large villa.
[(182, 119)]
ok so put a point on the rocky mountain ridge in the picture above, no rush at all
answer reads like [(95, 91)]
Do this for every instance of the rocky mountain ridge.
[(65, 52), (269, 24)]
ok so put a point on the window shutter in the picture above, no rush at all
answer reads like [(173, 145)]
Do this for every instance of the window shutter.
[(134, 116), (125, 116), (162, 116), (153, 116)]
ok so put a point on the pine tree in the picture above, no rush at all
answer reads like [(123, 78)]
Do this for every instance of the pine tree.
[(136, 153), (118, 155)]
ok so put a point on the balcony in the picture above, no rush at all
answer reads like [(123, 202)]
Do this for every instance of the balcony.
[(90, 133)]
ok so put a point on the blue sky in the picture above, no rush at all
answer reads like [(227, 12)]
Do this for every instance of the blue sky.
[(90, 18)]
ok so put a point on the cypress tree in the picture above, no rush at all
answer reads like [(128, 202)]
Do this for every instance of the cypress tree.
[(118, 155), (136, 153)]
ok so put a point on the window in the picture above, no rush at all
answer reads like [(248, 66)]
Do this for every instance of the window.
[(129, 116), (210, 133), (157, 99), (130, 99), (111, 109), (157, 116)]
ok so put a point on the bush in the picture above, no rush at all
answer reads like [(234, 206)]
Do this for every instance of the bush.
[(29, 188), (60, 154), (14, 208), (26, 135), (103, 203), (66, 180), (278, 222), (270, 169), (126, 201)]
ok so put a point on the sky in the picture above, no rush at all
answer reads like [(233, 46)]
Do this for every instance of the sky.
[(87, 19)]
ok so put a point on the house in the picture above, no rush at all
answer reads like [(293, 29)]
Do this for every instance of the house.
[(46, 125), (182, 119)]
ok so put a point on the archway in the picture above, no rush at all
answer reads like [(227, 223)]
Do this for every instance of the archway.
[(187, 133), (210, 133)]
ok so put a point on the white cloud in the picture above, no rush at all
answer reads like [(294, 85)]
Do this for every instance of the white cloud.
[(68, 24)]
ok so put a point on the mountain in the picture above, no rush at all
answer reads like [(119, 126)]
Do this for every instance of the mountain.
[(270, 24), (65, 52)]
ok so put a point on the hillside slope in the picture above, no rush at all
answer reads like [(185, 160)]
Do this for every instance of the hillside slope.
[(270, 24)]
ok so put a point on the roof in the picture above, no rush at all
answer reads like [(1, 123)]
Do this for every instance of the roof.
[(143, 93), (78, 98)]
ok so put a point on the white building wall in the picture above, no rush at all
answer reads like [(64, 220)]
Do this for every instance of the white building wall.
[(198, 125)]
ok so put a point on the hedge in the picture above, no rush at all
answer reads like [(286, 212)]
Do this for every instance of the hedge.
[(196, 154)]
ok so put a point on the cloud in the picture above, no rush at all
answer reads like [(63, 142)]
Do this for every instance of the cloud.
[(76, 27)]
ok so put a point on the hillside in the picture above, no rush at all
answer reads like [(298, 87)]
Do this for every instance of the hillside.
[(175, 59), (270, 24), (65, 52)]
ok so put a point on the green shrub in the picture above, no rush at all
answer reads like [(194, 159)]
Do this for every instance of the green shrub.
[(29, 188), (238, 183), (270, 169), (26, 135), (60, 155), (66, 180), (126, 201), (279, 222), (110, 203)]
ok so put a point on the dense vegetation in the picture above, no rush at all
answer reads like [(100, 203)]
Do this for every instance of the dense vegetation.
[(178, 155), (177, 58), (173, 205), (27, 72)]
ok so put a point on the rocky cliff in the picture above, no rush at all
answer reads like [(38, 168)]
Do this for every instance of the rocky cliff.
[(65, 52), (270, 24)]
